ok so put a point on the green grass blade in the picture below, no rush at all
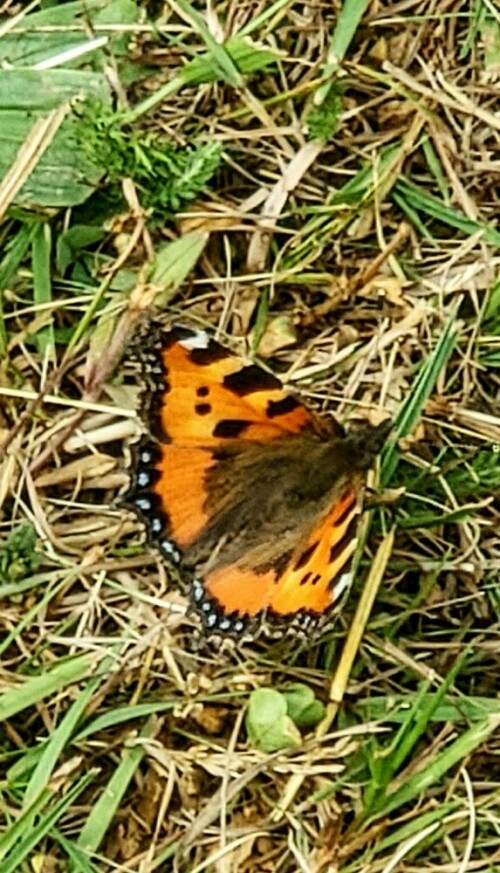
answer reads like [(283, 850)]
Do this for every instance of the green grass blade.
[(400, 834), (24, 822), (33, 833), (457, 752), (42, 284), (436, 169), (221, 56), (36, 688), (77, 857), (347, 24), (60, 737), (418, 718), (431, 519), (492, 308), (342, 207), (384, 764), (457, 710), (14, 254), (267, 14), (421, 201), (413, 217), (122, 715), (247, 56), (102, 813), (411, 408)]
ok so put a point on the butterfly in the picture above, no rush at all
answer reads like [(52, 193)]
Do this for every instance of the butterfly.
[(251, 494)]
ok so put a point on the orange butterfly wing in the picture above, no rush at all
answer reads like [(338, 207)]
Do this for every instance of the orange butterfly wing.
[(210, 395), (314, 581), (200, 396), (309, 586)]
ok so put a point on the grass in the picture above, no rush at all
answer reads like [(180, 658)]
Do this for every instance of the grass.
[(317, 185)]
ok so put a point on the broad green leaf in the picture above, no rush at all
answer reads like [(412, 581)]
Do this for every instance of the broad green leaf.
[(302, 706), (174, 262), (40, 37), (268, 725), (65, 174), (73, 240)]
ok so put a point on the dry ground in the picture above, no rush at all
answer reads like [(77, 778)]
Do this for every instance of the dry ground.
[(347, 239)]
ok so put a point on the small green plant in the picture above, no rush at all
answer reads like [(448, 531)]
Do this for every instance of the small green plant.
[(274, 718), (167, 176), (18, 555), (481, 475), (323, 121)]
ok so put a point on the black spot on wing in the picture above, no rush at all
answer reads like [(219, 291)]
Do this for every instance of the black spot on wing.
[(212, 353), (153, 415), (282, 407), (305, 579), (303, 559), (230, 427), (347, 511), (203, 408), (250, 379), (336, 550), (339, 547), (203, 391), (176, 335), (316, 579)]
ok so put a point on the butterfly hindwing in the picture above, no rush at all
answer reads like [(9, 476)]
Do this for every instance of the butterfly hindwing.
[(310, 583), (317, 575)]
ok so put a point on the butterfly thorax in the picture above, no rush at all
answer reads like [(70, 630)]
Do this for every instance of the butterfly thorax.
[(268, 492)]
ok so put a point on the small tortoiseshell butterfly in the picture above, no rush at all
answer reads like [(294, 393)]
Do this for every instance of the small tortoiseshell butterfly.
[(243, 487)]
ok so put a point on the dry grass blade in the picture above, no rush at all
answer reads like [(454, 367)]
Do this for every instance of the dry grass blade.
[(356, 631)]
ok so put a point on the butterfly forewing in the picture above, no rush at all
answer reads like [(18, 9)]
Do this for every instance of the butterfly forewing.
[(210, 396)]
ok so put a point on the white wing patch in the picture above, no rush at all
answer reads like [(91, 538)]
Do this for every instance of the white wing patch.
[(343, 583), (198, 340)]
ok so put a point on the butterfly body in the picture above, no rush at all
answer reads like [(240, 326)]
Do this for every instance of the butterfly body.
[(244, 487)]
